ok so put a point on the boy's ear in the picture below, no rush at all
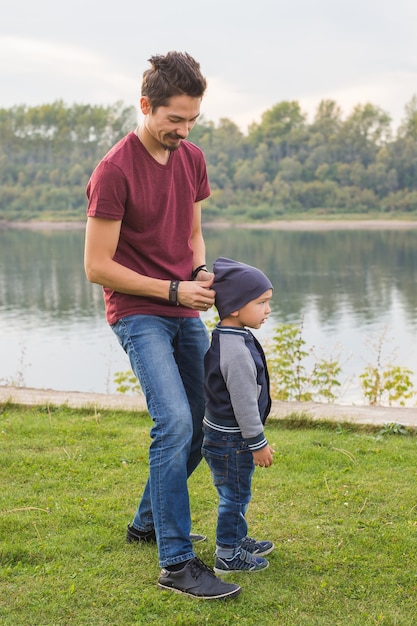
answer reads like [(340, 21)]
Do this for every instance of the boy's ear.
[(234, 314)]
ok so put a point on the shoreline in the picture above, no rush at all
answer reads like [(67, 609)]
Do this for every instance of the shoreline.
[(284, 225), (319, 225), (359, 414)]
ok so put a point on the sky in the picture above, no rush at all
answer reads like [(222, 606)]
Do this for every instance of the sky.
[(254, 54)]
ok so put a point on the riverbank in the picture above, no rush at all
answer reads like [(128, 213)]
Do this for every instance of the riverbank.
[(315, 224), (320, 225), (376, 415)]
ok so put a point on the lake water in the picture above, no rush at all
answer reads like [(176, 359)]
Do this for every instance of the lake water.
[(348, 289)]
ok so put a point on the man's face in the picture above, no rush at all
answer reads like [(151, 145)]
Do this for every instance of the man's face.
[(169, 125)]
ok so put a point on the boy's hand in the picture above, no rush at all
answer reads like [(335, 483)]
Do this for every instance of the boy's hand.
[(263, 457)]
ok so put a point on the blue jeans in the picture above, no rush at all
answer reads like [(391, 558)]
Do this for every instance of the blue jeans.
[(167, 356), (231, 464)]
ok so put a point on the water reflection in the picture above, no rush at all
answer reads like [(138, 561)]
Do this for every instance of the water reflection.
[(359, 270), (340, 282), (42, 272)]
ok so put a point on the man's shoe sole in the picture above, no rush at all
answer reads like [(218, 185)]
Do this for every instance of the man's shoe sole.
[(225, 596)]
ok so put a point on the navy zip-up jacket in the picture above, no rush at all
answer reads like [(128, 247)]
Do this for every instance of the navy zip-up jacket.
[(237, 385)]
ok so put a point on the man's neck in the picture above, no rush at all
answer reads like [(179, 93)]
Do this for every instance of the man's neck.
[(160, 154)]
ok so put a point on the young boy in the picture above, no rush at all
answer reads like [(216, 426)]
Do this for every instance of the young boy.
[(237, 405)]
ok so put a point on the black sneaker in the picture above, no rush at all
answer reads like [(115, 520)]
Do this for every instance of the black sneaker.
[(197, 580), (133, 536), (257, 548), (196, 538)]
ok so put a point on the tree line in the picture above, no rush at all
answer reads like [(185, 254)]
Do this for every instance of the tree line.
[(283, 166)]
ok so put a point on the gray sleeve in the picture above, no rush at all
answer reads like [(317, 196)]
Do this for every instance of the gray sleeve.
[(239, 371)]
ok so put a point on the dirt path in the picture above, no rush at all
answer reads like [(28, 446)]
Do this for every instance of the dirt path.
[(96, 401)]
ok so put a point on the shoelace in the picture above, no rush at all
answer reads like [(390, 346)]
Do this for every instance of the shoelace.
[(198, 566)]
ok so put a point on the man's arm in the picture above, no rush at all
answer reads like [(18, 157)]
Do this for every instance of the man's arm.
[(101, 239), (198, 245)]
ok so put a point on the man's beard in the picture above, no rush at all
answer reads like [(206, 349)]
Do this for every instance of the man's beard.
[(171, 147)]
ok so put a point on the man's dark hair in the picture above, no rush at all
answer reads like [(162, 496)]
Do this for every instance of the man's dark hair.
[(174, 74)]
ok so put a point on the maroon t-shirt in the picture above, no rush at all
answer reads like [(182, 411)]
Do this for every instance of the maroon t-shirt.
[(156, 205)]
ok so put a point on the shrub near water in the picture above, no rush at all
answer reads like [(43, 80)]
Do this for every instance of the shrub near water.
[(382, 383), (340, 505)]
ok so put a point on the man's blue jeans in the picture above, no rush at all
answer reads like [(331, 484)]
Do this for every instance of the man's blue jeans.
[(231, 464), (167, 356)]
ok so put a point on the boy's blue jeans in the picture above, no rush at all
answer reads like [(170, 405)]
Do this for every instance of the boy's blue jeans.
[(231, 464), (167, 356)]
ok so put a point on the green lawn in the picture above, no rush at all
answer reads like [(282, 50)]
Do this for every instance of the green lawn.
[(340, 503)]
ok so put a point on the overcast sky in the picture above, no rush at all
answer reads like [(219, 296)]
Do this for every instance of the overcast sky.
[(254, 54)]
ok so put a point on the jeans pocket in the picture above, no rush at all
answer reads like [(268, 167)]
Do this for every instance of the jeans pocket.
[(218, 464)]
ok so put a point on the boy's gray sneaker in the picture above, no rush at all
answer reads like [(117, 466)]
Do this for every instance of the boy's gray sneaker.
[(244, 561), (197, 580), (134, 536), (257, 548)]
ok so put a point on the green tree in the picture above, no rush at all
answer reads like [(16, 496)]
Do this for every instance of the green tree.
[(365, 130)]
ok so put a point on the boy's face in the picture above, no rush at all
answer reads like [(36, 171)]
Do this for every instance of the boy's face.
[(255, 312)]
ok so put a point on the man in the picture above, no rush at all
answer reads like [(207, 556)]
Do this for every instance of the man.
[(144, 245)]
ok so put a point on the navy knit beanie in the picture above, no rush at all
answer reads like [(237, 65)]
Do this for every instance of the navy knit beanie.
[(236, 284)]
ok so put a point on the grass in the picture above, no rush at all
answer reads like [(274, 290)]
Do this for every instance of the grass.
[(340, 503)]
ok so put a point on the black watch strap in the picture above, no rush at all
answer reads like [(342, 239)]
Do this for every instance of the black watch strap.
[(173, 292)]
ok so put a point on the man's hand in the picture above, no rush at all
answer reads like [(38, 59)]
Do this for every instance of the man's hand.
[(196, 294), (263, 457)]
